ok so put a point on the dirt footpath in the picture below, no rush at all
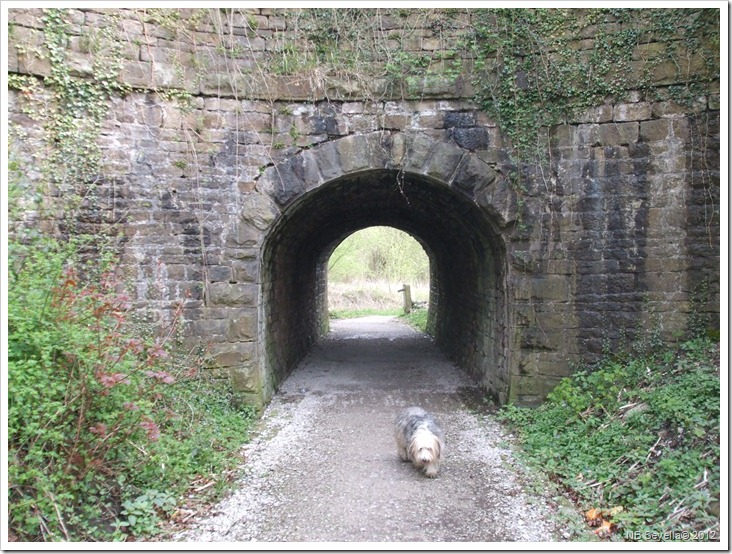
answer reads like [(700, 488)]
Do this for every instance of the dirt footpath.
[(324, 466)]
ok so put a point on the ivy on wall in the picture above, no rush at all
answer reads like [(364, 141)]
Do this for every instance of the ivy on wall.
[(536, 68), (530, 69), (71, 107)]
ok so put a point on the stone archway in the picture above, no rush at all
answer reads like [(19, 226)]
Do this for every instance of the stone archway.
[(446, 197)]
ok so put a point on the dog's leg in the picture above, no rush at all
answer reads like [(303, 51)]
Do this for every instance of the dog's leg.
[(430, 470), (402, 452)]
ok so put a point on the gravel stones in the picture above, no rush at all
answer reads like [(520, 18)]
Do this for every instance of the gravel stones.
[(324, 467)]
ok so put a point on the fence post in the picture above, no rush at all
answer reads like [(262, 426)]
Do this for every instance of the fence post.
[(407, 296)]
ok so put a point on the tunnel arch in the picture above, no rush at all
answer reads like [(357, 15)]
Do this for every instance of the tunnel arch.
[(455, 205)]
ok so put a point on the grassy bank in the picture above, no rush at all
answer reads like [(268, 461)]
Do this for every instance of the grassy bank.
[(634, 443), (344, 296), (113, 426)]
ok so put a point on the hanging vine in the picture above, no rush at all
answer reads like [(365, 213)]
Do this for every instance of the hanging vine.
[(537, 68)]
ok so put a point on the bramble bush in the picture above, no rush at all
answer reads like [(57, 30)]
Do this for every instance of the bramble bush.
[(97, 405), (635, 440)]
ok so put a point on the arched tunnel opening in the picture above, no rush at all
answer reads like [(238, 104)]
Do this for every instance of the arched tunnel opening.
[(467, 304), (378, 270)]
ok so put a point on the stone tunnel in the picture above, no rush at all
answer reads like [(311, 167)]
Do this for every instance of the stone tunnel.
[(225, 179), (427, 189)]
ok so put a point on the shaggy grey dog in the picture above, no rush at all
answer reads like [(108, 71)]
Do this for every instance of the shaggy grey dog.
[(419, 439)]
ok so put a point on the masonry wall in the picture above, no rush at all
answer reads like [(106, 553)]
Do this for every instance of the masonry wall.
[(617, 235)]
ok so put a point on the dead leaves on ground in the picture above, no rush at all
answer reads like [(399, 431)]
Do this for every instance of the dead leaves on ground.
[(602, 520), (199, 499)]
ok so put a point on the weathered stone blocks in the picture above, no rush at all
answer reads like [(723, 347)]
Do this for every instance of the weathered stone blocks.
[(632, 112), (353, 154), (556, 288), (473, 176), (232, 294), (622, 220), (618, 133), (241, 325)]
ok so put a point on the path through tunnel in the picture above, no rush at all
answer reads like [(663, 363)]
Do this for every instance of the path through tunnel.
[(467, 306)]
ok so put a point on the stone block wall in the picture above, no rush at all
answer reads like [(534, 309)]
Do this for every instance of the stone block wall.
[(225, 189), (624, 250)]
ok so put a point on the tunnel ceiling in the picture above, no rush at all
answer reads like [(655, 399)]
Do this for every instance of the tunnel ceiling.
[(441, 218)]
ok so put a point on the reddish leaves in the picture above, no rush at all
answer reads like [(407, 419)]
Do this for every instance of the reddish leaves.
[(109, 380), (601, 520), (151, 428), (162, 376), (100, 430)]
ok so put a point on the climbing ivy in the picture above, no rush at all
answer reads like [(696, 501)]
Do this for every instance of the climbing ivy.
[(530, 69), (72, 107), (536, 68), (81, 104)]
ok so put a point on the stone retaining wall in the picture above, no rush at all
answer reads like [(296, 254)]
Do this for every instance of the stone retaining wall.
[(232, 201)]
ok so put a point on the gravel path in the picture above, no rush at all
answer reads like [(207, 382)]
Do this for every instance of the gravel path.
[(324, 466)]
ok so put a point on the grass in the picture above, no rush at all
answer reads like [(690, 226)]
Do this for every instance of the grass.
[(363, 312), (417, 318), (364, 298), (635, 443), (370, 295)]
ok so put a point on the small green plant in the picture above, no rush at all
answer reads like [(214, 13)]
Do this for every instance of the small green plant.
[(142, 515), (637, 438), (183, 99), (406, 63), (417, 318)]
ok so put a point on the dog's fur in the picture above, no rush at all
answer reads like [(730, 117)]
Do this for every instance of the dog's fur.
[(419, 440)]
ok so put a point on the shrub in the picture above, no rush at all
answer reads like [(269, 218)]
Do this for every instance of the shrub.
[(94, 404), (636, 440)]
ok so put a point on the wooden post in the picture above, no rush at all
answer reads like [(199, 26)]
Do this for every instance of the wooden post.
[(407, 295)]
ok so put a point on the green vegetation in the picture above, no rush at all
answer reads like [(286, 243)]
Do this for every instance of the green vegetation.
[(530, 68), (109, 420), (635, 442), (362, 312), (77, 106), (535, 69), (379, 254), (366, 272), (417, 318)]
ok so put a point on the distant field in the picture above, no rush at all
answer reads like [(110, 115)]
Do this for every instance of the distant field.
[(368, 268), (371, 297)]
